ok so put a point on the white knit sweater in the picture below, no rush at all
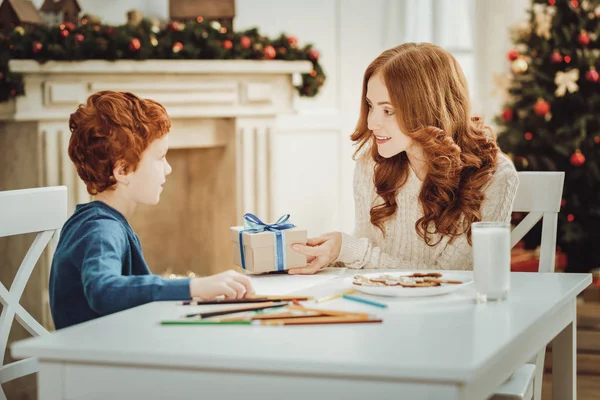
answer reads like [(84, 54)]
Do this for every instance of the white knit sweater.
[(402, 247)]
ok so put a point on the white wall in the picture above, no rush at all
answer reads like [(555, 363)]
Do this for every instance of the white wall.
[(312, 150)]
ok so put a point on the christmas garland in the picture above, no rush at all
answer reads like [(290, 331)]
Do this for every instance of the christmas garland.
[(200, 40)]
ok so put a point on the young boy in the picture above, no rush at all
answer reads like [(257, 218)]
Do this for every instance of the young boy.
[(118, 145)]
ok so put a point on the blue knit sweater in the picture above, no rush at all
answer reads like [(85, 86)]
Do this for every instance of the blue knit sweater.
[(99, 269)]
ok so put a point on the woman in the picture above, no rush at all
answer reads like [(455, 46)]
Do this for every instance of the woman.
[(425, 170)]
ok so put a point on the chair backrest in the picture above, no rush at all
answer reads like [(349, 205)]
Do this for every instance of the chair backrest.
[(42, 211), (539, 194)]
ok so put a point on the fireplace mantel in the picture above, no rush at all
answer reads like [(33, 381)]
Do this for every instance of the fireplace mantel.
[(223, 116), (196, 93)]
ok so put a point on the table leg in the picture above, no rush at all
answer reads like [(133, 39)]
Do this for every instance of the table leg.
[(564, 361)]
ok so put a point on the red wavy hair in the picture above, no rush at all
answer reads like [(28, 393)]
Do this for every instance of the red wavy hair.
[(113, 127), (429, 93)]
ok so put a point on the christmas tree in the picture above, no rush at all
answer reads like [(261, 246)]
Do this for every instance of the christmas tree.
[(551, 116)]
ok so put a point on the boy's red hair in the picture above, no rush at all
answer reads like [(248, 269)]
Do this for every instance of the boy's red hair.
[(113, 127)]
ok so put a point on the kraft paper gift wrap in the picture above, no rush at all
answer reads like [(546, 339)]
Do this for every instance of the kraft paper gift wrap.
[(267, 247)]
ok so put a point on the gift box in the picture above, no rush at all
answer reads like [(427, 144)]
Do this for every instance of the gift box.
[(258, 247)]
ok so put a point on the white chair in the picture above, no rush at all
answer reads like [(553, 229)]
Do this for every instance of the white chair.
[(539, 194), (42, 211)]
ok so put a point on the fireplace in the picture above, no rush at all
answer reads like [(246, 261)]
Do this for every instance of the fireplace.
[(223, 115)]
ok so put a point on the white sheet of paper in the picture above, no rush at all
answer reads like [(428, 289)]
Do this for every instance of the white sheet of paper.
[(275, 285)]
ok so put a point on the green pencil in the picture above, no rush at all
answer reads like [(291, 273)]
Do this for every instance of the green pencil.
[(204, 322)]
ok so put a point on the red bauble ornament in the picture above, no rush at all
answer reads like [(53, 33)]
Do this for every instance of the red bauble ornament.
[(227, 44), (64, 33), (245, 42), (313, 55), (177, 47), (563, 202), (574, 3), (507, 114), (135, 44), (552, 2), (567, 59), (70, 26), (79, 38), (556, 57), (528, 135), (541, 107), (174, 26), (513, 54), (584, 38), (570, 218), (282, 50), (270, 52), (292, 41), (596, 138), (592, 75), (36, 47), (577, 159)]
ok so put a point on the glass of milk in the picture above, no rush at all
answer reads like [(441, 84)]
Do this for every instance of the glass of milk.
[(491, 260)]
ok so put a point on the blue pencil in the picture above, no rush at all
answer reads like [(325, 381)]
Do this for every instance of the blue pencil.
[(361, 300)]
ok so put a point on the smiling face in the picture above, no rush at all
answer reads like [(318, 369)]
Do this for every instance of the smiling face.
[(382, 121)]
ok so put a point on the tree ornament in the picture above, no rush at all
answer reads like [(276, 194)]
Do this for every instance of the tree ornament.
[(227, 44), (20, 30), (519, 66), (313, 55), (542, 21), (135, 44), (541, 107), (566, 81), (577, 158), (556, 57), (270, 52), (245, 42), (153, 40), (177, 47), (79, 38), (64, 33), (36, 47), (596, 138), (513, 54), (292, 41), (507, 115), (570, 218), (592, 75), (583, 38), (528, 135)]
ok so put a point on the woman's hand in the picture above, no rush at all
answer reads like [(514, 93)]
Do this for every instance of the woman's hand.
[(321, 252), (230, 284)]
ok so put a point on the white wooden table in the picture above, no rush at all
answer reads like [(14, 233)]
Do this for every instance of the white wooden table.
[(444, 347)]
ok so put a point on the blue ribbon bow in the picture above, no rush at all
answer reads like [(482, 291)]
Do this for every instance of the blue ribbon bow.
[(252, 224)]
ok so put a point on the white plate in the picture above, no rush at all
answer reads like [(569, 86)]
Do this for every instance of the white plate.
[(398, 291)]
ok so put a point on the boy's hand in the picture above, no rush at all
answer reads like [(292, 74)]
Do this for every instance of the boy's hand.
[(230, 284)]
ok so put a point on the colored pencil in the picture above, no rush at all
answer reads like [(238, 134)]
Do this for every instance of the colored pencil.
[(334, 296), (203, 322), (277, 322), (331, 313), (283, 298), (364, 301), (253, 307), (319, 320), (244, 300)]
